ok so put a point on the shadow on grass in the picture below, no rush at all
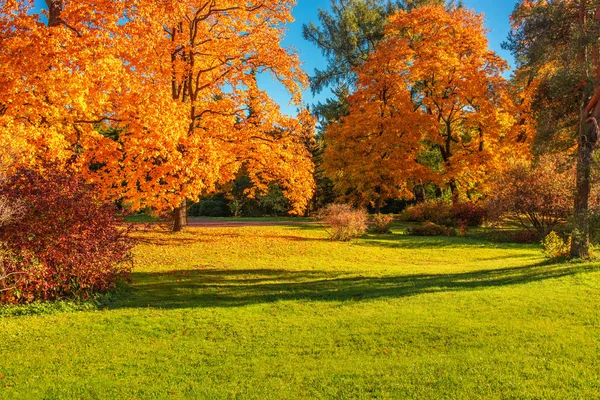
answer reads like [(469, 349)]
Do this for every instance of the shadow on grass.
[(403, 241), (233, 288)]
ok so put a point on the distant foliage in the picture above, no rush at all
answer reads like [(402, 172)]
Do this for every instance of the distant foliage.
[(538, 195), (212, 207), (68, 243), (555, 246), (343, 221), (430, 104), (381, 223), (431, 229)]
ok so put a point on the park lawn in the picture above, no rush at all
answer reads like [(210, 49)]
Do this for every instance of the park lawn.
[(282, 313)]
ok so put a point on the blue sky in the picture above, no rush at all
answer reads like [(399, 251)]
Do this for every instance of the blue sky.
[(496, 13)]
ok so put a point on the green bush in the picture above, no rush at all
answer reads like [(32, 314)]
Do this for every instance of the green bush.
[(555, 246), (595, 228), (431, 229)]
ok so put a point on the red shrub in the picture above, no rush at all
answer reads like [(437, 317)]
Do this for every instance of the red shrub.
[(538, 195), (436, 211), (67, 244), (443, 212), (468, 213)]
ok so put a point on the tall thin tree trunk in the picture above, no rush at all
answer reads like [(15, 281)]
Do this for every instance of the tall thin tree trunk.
[(180, 217)]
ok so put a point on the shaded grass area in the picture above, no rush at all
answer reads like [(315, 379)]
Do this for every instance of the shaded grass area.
[(207, 287), (140, 219), (281, 312)]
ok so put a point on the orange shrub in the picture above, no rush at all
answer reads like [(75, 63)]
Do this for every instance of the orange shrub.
[(344, 222)]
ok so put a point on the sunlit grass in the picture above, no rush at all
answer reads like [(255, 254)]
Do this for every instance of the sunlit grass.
[(281, 312)]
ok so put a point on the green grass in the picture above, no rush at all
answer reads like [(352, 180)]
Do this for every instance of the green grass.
[(283, 313), (140, 219)]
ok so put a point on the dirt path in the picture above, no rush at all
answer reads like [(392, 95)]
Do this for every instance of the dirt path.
[(211, 223)]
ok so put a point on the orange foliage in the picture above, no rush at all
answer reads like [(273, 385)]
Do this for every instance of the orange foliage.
[(174, 82), (431, 84)]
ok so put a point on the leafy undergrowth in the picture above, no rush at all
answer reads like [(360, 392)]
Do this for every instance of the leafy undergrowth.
[(282, 312)]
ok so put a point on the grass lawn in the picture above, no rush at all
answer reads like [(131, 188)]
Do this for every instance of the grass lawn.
[(282, 313)]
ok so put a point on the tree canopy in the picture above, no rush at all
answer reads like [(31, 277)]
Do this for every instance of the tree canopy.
[(431, 85)]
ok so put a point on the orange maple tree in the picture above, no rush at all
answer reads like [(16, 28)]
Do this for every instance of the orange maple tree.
[(157, 101), (432, 85)]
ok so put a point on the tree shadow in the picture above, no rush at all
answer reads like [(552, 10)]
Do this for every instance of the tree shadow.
[(210, 287), (187, 238), (402, 241)]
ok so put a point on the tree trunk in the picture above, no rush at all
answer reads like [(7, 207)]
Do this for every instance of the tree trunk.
[(453, 191), (378, 205), (54, 10), (180, 217), (580, 245)]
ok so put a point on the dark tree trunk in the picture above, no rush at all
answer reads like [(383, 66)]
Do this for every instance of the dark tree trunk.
[(54, 10), (180, 217), (580, 245), (453, 191), (588, 139)]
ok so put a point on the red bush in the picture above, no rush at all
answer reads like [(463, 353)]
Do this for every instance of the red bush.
[(437, 211), (468, 213), (67, 244), (539, 195), (443, 212)]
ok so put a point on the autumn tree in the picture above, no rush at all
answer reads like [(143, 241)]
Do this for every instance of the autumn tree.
[(431, 84), (59, 77), (175, 80), (346, 36), (556, 47)]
